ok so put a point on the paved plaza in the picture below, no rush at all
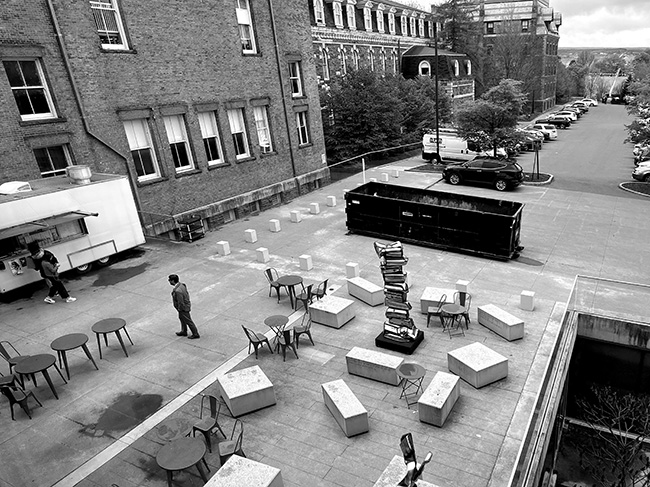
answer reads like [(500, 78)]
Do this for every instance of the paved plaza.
[(102, 430)]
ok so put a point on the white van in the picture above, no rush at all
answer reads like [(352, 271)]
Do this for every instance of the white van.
[(452, 147)]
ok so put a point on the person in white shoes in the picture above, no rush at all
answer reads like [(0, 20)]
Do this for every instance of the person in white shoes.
[(48, 265)]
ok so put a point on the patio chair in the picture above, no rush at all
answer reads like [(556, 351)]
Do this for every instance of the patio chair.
[(436, 310), (288, 340), (464, 299), (303, 329), (17, 395), (255, 339), (12, 359), (306, 297), (272, 276), (321, 289), (233, 446), (451, 324), (208, 424)]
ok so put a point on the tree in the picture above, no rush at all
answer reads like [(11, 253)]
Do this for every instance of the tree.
[(610, 64), (564, 85), (639, 99), (417, 97)]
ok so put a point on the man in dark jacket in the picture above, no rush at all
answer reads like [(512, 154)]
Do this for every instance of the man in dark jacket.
[(181, 300), (48, 265)]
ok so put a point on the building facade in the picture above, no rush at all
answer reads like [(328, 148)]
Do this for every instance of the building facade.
[(211, 108)]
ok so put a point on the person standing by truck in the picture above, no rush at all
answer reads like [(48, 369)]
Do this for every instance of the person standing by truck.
[(48, 265), (181, 301)]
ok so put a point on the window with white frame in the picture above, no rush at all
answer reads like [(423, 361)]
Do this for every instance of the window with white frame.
[(110, 26), (367, 18), (338, 14), (326, 63), (295, 78), (352, 16), (431, 28), (404, 25), (261, 116), (525, 25), (245, 23), (141, 147), (391, 22), (178, 142), (344, 61), (238, 131), (421, 27), (52, 161), (30, 89), (468, 67), (355, 59), (319, 12), (424, 69), (303, 128), (456, 68), (380, 20), (211, 138), (395, 63), (412, 22), (383, 60), (371, 58)]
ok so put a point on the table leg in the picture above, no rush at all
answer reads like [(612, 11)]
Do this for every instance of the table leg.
[(119, 337), (59, 371), (127, 334), (201, 472), (49, 381), (85, 349), (169, 478), (65, 362), (292, 293), (58, 354), (99, 345), (33, 377)]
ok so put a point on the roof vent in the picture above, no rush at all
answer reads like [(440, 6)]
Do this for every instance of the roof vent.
[(79, 174), (13, 187)]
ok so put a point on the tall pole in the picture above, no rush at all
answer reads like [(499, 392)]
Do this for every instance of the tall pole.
[(435, 47)]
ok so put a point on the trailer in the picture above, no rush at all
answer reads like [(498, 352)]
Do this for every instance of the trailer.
[(81, 221), (461, 223)]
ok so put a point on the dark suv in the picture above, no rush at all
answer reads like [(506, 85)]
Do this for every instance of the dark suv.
[(500, 173)]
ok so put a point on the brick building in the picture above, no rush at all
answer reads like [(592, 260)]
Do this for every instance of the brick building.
[(211, 108)]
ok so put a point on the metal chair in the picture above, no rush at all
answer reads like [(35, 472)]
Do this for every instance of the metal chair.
[(272, 276), (17, 395), (233, 446), (465, 300), (436, 310), (12, 360), (451, 323), (306, 297), (303, 329), (288, 340), (321, 289), (256, 340), (209, 424)]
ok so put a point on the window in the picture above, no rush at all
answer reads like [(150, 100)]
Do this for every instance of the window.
[(391, 22), (456, 68), (30, 90), (525, 25), (238, 131), (395, 64), (431, 28), (355, 59), (404, 26), (319, 12), (177, 137), (52, 161), (295, 78), (352, 17), (367, 18), (468, 67), (303, 128), (338, 14), (421, 27), (383, 60), (489, 49), (489, 27), (144, 158), (245, 24), (109, 24), (371, 59), (344, 61), (380, 20), (211, 139), (412, 22), (326, 64), (424, 68), (262, 126)]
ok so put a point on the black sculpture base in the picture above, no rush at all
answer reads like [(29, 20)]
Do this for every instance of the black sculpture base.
[(403, 347)]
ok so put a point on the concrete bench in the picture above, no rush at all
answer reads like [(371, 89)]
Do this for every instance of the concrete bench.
[(332, 311), (396, 470), (347, 410), (477, 364), (501, 322), (439, 398), (246, 390), (374, 365), (432, 296), (366, 291), (239, 471)]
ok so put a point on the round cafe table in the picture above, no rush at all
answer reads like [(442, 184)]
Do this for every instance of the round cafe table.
[(455, 310), (412, 376), (39, 363), (70, 342), (290, 282), (110, 325), (181, 454), (173, 429), (276, 323)]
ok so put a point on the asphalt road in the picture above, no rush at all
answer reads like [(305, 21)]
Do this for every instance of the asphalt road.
[(590, 156)]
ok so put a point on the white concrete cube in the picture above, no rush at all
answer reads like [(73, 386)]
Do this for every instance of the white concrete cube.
[(352, 269), (433, 296), (461, 286), (527, 300), (246, 390), (250, 235), (274, 225), (500, 322), (262, 255), (477, 364), (314, 208), (384, 177), (374, 365), (332, 311), (366, 291), (223, 247), (439, 398), (395, 472), (347, 410), (331, 201), (305, 262), (395, 173), (296, 217), (239, 471)]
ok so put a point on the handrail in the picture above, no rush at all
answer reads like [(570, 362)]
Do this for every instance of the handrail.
[(373, 152)]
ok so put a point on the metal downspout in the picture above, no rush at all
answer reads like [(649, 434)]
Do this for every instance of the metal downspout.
[(77, 97)]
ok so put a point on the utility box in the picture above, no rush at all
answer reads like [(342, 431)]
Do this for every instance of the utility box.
[(191, 228), (461, 223)]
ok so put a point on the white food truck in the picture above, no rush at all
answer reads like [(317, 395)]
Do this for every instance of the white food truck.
[(82, 219)]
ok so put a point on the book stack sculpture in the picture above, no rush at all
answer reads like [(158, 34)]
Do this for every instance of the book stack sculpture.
[(399, 325)]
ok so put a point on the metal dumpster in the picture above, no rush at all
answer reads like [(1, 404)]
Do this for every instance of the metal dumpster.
[(462, 223)]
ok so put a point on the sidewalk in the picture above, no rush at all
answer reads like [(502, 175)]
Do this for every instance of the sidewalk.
[(564, 234)]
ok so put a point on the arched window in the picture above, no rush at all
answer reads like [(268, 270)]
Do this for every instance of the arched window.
[(424, 69), (391, 22), (421, 27), (413, 33), (338, 14), (355, 59), (319, 12), (383, 60), (468, 67), (326, 63), (344, 61), (404, 25), (371, 58), (352, 19), (456, 68), (395, 63), (367, 19)]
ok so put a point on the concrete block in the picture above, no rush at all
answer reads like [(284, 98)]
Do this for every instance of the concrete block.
[(305, 262), (433, 296), (366, 291), (501, 322), (331, 201), (250, 235), (384, 177), (223, 247), (395, 173), (262, 255), (477, 364), (246, 390), (314, 208), (347, 410), (296, 217), (239, 471), (437, 401), (374, 365), (274, 225), (352, 270), (332, 311), (461, 286), (373, 180), (527, 300), (396, 470)]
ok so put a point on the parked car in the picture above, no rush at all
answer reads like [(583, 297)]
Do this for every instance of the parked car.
[(530, 138), (573, 109), (642, 173), (557, 120), (548, 130), (641, 153), (581, 105), (590, 101), (452, 147), (567, 113), (500, 173)]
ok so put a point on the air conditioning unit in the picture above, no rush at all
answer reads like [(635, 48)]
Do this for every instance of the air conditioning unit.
[(13, 187)]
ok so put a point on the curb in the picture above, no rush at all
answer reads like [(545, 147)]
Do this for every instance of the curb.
[(541, 183), (620, 185)]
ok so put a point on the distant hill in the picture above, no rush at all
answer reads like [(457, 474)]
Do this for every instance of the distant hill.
[(568, 54)]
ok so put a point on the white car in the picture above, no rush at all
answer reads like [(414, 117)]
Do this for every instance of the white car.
[(572, 115), (549, 131), (589, 101)]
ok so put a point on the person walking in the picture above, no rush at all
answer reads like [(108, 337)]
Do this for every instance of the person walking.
[(181, 300), (48, 265)]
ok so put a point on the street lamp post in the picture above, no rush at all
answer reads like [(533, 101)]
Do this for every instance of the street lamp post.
[(435, 47)]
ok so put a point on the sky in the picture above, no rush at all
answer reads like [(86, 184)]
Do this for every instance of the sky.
[(597, 23)]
